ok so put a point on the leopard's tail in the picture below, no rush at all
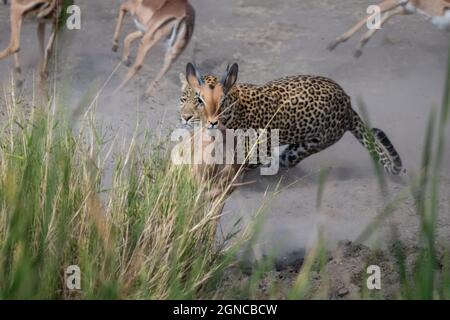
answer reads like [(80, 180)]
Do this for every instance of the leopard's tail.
[(378, 144)]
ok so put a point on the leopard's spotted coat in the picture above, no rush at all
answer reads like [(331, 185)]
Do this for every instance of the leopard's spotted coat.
[(310, 112)]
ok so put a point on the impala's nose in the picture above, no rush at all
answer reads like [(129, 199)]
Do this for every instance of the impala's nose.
[(213, 124)]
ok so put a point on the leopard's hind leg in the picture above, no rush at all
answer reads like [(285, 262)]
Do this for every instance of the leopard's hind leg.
[(295, 153)]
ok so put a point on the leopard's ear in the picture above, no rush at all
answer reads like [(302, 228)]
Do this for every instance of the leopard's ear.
[(230, 77), (183, 81)]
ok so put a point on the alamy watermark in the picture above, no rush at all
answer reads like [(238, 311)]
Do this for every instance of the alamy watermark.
[(374, 20), (73, 278), (73, 21), (374, 278), (227, 147)]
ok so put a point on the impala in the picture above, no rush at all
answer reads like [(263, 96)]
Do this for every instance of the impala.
[(436, 11), (45, 11), (154, 20)]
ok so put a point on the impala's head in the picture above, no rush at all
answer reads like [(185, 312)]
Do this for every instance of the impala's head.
[(211, 93)]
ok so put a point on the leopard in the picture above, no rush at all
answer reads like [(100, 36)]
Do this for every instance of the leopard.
[(311, 113), (190, 115)]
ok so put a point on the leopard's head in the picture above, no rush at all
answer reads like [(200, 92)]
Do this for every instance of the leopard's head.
[(190, 105)]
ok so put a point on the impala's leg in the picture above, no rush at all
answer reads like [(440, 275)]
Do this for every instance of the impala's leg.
[(14, 46), (369, 34), (154, 34), (173, 52), (48, 51), (17, 67), (41, 40), (127, 46), (17, 70), (47, 9), (124, 8), (384, 6), (16, 25)]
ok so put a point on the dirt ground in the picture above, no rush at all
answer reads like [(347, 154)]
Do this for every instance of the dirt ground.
[(400, 78)]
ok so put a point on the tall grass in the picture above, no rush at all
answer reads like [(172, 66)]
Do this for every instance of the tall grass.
[(429, 276), (425, 277), (150, 236)]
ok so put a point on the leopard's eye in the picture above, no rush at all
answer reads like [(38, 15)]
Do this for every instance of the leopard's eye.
[(199, 101)]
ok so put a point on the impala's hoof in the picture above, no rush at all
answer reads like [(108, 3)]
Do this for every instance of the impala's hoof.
[(150, 92), (332, 45), (18, 70), (44, 76), (115, 47), (152, 89), (358, 53), (127, 62), (19, 83)]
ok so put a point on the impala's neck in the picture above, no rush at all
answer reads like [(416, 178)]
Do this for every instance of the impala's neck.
[(430, 8), (157, 4), (153, 4)]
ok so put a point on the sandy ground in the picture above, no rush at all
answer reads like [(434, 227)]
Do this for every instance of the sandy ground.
[(400, 78)]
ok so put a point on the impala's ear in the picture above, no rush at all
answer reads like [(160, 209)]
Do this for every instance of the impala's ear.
[(193, 77), (183, 81), (230, 77)]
